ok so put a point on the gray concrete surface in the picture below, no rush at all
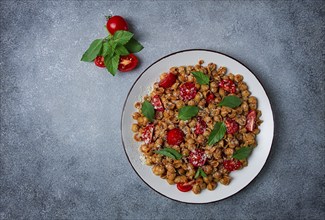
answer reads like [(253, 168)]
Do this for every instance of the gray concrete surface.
[(61, 155)]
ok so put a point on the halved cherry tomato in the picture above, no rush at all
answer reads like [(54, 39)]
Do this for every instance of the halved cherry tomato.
[(200, 126), (175, 136), (232, 126), (228, 85), (210, 97), (232, 165), (168, 81), (157, 104), (116, 23), (184, 187), (127, 63), (251, 120), (187, 91), (197, 158), (147, 133), (99, 61)]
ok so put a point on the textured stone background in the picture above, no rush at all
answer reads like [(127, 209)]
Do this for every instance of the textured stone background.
[(61, 155)]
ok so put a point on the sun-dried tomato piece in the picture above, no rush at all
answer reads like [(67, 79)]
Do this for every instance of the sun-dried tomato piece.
[(232, 126), (148, 133), (187, 91), (197, 158), (157, 104), (168, 81), (200, 126), (210, 97), (228, 85), (232, 165), (251, 120)]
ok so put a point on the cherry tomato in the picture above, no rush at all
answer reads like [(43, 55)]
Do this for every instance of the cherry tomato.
[(147, 133), (168, 81), (184, 187), (116, 23), (197, 158), (232, 126), (228, 85), (232, 165), (200, 126), (157, 104), (210, 97), (127, 63), (251, 120), (175, 136), (187, 91), (99, 61)]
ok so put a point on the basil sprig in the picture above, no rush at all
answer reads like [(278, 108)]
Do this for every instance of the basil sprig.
[(200, 172), (201, 78), (242, 153), (217, 133), (187, 112), (111, 48), (148, 110), (170, 152), (230, 101)]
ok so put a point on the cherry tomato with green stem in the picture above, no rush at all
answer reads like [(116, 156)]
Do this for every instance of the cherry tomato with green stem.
[(116, 23)]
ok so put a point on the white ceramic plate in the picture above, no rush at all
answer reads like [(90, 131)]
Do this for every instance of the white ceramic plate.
[(241, 178)]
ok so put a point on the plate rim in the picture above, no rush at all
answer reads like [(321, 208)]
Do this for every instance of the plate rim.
[(123, 111)]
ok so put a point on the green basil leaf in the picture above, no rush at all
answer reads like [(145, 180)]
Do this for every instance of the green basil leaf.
[(174, 152), (230, 101), (201, 78), (133, 46), (148, 110), (108, 48), (166, 153), (121, 50), (170, 152), (93, 50), (203, 173), (187, 112), (217, 133), (111, 63), (242, 153), (105, 49), (122, 37), (200, 172), (197, 174)]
